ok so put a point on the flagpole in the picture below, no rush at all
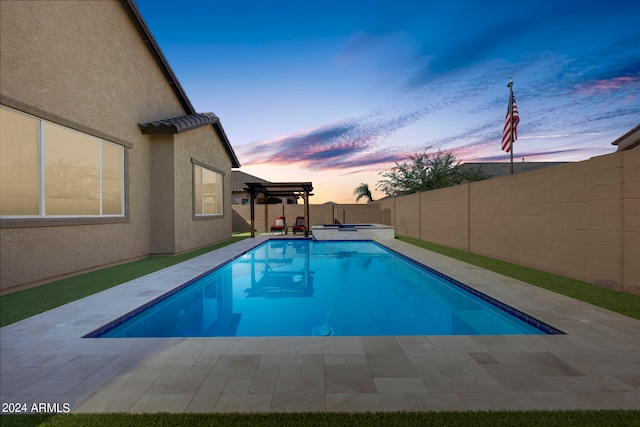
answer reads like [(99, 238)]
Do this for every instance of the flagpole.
[(510, 86)]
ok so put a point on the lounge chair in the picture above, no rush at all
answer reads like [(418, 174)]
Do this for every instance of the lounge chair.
[(279, 224), (299, 225)]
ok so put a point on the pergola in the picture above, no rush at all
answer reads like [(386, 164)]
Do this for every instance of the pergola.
[(279, 189)]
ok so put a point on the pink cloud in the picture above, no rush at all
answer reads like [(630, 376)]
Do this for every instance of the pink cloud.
[(345, 145), (605, 85)]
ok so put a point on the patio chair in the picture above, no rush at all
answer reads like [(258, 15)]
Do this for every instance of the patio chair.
[(279, 224), (299, 225)]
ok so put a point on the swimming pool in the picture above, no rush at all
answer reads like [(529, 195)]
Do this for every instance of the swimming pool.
[(296, 287)]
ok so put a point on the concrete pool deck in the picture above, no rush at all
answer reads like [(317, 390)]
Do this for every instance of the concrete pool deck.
[(596, 365)]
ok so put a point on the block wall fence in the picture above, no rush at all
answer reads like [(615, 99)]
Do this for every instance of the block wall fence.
[(580, 220)]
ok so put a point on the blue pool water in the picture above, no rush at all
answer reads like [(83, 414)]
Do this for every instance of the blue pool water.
[(306, 288)]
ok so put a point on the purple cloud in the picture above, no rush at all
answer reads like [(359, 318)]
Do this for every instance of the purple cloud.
[(341, 146)]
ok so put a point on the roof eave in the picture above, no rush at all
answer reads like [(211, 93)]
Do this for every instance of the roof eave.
[(187, 123), (235, 163)]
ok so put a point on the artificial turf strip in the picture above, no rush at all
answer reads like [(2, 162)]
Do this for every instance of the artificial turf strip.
[(621, 302), (22, 304), (603, 418)]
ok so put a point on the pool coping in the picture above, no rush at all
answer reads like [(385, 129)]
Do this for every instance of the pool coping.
[(596, 365)]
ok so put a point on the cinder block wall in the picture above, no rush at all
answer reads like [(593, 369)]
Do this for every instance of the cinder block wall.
[(387, 206), (321, 214), (580, 220), (631, 220), (566, 220), (407, 215), (369, 213), (450, 206)]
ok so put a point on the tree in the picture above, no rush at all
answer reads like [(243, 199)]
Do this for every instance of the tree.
[(363, 191), (423, 173)]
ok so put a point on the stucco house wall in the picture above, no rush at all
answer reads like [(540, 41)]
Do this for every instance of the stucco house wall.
[(199, 144), (85, 65)]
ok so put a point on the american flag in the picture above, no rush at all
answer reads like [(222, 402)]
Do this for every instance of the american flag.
[(508, 122)]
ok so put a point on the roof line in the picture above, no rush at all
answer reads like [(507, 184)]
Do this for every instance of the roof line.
[(144, 31)]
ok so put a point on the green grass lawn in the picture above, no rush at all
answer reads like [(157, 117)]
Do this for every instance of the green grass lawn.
[(448, 418)]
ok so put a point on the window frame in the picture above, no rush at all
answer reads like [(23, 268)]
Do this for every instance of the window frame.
[(42, 218), (195, 164)]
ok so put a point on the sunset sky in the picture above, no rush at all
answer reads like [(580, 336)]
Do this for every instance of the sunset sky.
[(336, 92)]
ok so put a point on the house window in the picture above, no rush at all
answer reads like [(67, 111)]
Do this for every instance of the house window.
[(48, 170), (207, 191)]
